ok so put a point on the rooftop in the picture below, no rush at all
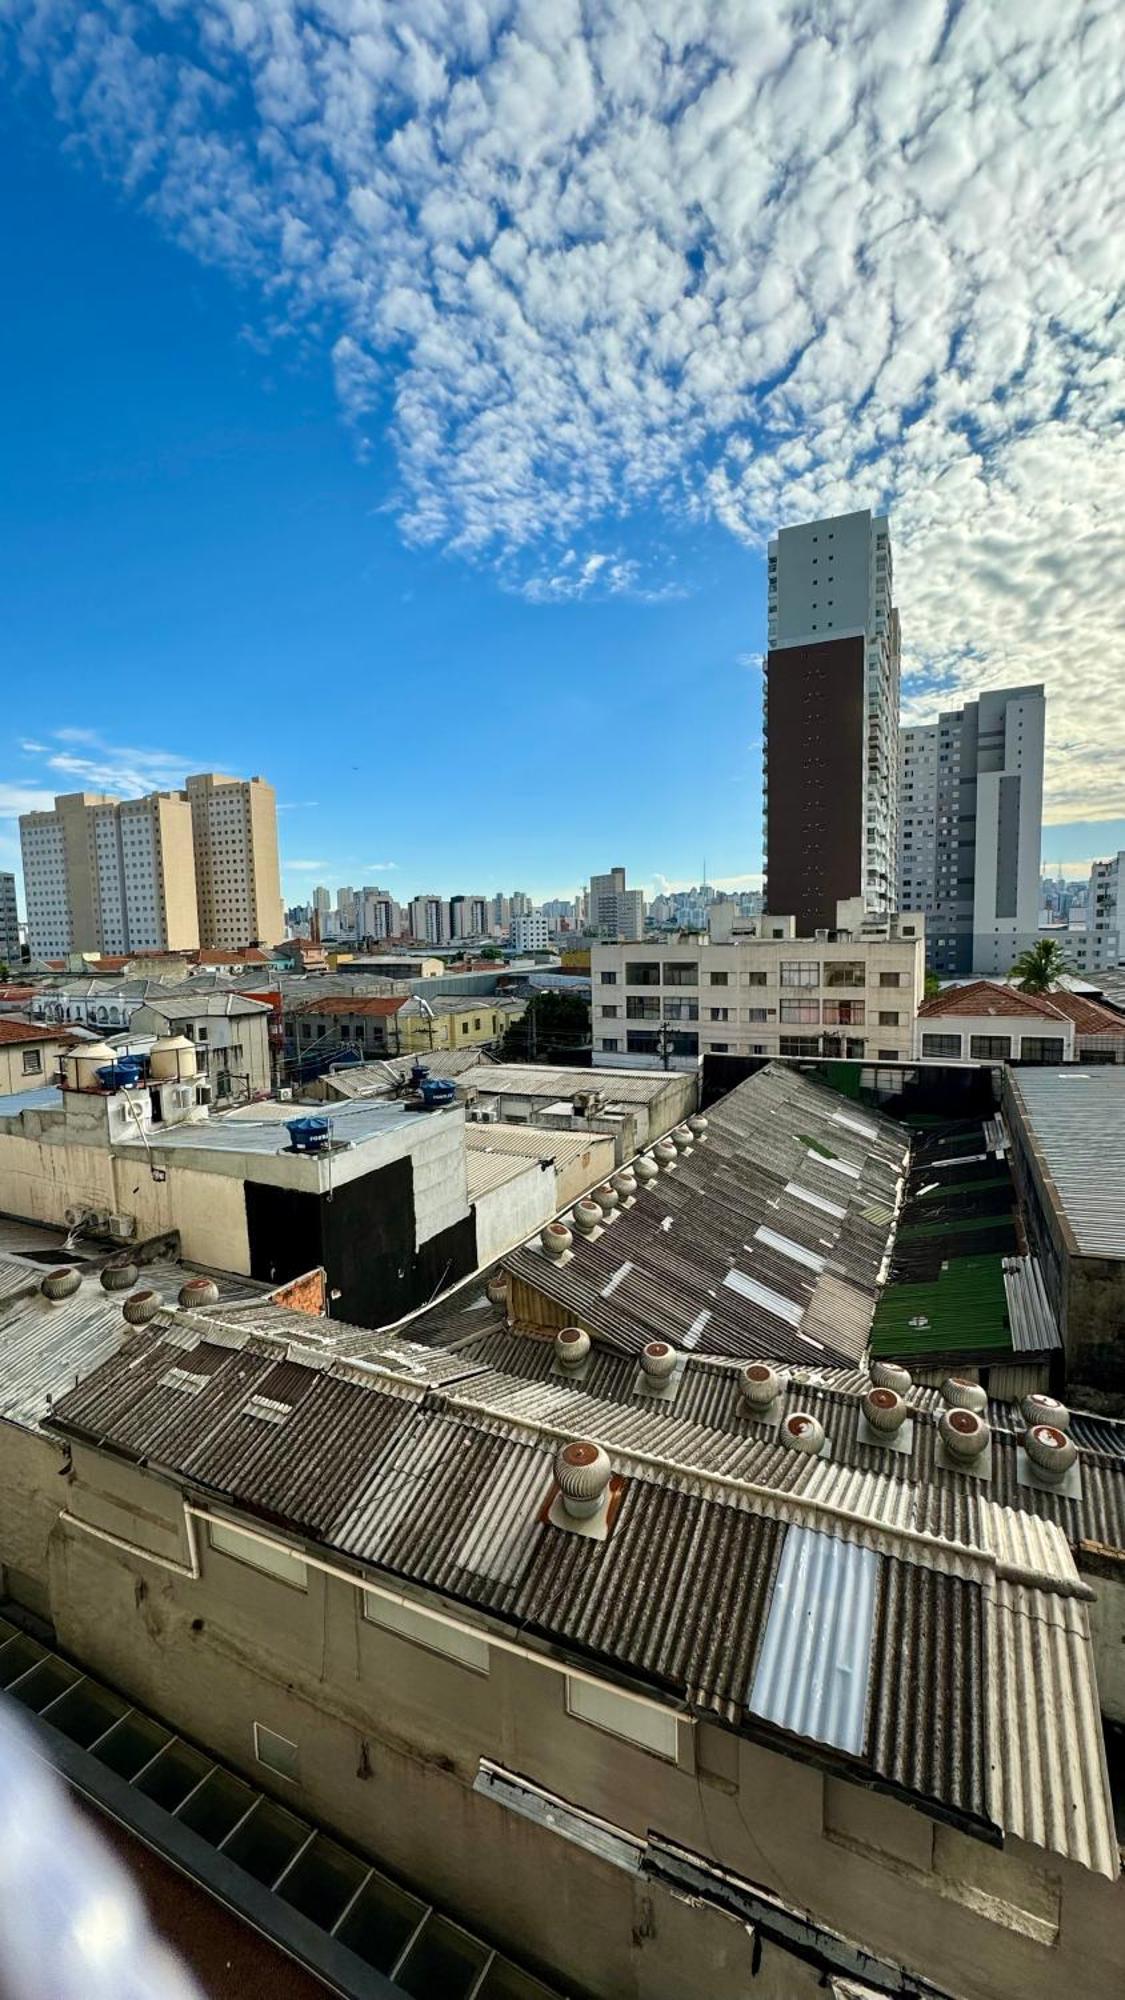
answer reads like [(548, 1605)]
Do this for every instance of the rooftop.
[(15, 1033), (187, 1005), (618, 1086), (1075, 1119), (352, 1003), (985, 997)]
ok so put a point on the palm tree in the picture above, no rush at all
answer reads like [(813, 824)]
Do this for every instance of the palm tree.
[(1040, 967)]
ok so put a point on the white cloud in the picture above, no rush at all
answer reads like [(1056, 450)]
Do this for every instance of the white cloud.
[(107, 767), (17, 799), (374, 867), (311, 867), (663, 885), (715, 258)]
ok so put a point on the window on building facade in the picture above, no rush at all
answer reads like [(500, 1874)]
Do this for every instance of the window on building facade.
[(755, 978), (844, 1013), (642, 972), (942, 1045), (990, 1048), (846, 972), (642, 1042), (888, 1055), (681, 972), (412, 1622), (1047, 1049), (719, 1013), (607, 978), (231, 1541), (682, 1010), (799, 1010), (609, 1013), (610, 1044), (683, 1045), (719, 978), (798, 1045), (888, 1020), (32, 1062), (276, 1752), (638, 1008), (891, 978), (757, 1013), (642, 1722), (719, 1048), (800, 972)]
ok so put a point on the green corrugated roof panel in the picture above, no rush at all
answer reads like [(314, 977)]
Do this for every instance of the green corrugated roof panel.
[(957, 1225), (964, 1309)]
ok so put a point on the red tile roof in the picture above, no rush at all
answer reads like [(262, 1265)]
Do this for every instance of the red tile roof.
[(348, 1003), (12, 1033), (1089, 1016), (247, 954), (985, 996)]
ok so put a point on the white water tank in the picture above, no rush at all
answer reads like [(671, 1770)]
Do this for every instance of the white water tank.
[(173, 1059), (81, 1063)]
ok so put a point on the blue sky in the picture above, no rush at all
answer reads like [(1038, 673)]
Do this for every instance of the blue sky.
[(399, 411)]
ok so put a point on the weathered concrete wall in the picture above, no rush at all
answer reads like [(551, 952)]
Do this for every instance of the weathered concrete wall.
[(390, 1734), (509, 1214)]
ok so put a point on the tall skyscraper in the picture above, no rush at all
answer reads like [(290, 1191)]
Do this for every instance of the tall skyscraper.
[(971, 812), (615, 911), (468, 916), (429, 919), (110, 875), (831, 719), (9, 921), (237, 871)]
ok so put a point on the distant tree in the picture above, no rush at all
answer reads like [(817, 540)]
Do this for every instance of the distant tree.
[(1040, 967), (553, 1028), (490, 951), (933, 986)]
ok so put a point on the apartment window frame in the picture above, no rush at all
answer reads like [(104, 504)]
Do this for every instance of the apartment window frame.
[(656, 1729), (949, 1051), (799, 1013), (845, 972), (419, 1627), (889, 1018), (681, 972), (799, 972), (256, 1554), (642, 972), (1037, 1043), (718, 979), (891, 978), (33, 1062), (607, 979)]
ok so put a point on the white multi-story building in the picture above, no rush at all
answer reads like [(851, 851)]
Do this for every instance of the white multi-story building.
[(429, 919), (237, 869), (468, 916), (831, 718), (1098, 943), (614, 910), (9, 920), (531, 932), (970, 818), (110, 875), (760, 990), (377, 914)]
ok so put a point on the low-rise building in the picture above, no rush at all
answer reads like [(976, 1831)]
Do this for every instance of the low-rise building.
[(761, 991), (231, 1033), (992, 1021), (29, 1055), (399, 1024), (530, 933)]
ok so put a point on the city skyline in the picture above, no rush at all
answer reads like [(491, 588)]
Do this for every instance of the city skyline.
[(220, 490)]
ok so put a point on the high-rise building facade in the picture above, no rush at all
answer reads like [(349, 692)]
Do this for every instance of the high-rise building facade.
[(377, 914), (970, 820), (110, 875), (9, 921), (614, 910), (831, 719), (531, 932), (237, 870), (468, 916), (429, 919)]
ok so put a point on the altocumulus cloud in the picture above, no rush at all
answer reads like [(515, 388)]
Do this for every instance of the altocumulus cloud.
[(740, 261)]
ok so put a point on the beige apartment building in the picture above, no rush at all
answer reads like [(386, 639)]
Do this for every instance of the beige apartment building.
[(851, 992), (237, 872), (110, 875)]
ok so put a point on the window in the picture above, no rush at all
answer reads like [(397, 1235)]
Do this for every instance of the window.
[(719, 1048), (719, 1013), (845, 972), (754, 978), (464, 1027), (888, 1055), (798, 1045), (888, 1020), (681, 972), (345, 1032), (1045, 1049), (641, 1042), (643, 972), (718, 978), (610, 1044), (757, 1013), (639, 1008), (799, 1010), (643, 1722), (608, 978), (476, 1022), (609, 1013), (411, 1622), (800, 972), (32, 1062), (942, 1045), (276, 1753), (232, 1541), (890, 979), (681, 1010), (990, 1048)]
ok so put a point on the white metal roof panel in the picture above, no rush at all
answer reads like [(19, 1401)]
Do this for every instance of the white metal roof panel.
[(815, 1659)]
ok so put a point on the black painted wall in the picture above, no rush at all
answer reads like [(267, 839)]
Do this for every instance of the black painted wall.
[(364, 1237)]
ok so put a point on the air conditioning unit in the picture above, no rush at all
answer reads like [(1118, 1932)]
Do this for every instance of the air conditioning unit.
[(121, 1227), (285, 1093)]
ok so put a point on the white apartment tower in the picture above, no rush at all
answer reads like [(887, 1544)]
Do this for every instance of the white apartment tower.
[(615, 911), (429, 919), (531, 932), (970, 820), (9, 921), (831, 719), (469, 916), (110, 875), (238, 874)]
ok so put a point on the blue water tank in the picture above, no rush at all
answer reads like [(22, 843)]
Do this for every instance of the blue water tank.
[(124, 1073), (438, 1090), (308, 1135)]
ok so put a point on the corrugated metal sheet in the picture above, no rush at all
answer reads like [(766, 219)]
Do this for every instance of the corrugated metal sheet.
[(813, 1665), (487, 1171), (931, 1639), (1033, 1323), (1076, 1122), (1047, 1780)]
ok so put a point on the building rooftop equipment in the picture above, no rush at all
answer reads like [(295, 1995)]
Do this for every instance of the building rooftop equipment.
[(1074, 1119)]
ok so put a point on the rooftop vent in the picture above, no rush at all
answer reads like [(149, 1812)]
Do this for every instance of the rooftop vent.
[(61, 1284), (664, 1152), (658, 1360), (682, 1139), (803, 1432), (586, 1216), (697, 1125), (199, 1292), (119, 1276), (761, 1386), (885, 1410), (496, 1288), (959, 1394), (572, 1345), (140, 1307), (646, 1169), (1050, 1450), (625, 1182), (583, 1473), (964, 1433), (607, 1198), (1039, 1409), (556, 1239), (891, 1375)]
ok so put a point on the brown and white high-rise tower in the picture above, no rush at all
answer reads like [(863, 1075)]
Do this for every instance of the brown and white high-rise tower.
[(103, 874), (831, 720), (237, 872)]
